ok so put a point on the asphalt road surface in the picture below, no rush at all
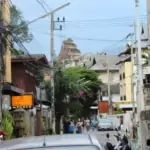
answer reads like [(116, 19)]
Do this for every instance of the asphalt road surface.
[(101, 136)]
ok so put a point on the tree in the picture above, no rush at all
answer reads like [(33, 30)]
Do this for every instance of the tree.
[(87, 89), (20, 30), (80, 84)]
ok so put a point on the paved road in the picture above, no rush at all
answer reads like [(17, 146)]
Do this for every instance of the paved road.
[(101, 136)]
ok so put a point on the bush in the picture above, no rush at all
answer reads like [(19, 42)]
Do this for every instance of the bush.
[(7, 123)]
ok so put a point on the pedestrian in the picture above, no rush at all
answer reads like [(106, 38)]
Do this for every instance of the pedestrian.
[(71, 127), (87, 122), (79, 126), (93, 124)]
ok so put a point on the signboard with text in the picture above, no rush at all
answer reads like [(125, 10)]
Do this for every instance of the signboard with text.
[(22, 101)]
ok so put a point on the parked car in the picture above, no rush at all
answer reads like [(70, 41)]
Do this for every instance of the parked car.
[(105, 125), (56, 142)]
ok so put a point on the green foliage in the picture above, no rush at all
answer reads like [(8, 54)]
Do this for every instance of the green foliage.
[(70, 82), (19, 26), (118, 111), (7, 123), (80, 78), (16, 52), (39, 77)]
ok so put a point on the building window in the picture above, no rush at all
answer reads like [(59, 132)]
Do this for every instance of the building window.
[(125, 98), (123, 75), (121, 98), (120, 77)]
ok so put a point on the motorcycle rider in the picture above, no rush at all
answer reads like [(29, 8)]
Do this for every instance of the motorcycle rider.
[(108, 145)]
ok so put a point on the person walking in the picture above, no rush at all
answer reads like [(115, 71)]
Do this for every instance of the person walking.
[(87, 123), (71, 127), (79, 126), (93, 124)]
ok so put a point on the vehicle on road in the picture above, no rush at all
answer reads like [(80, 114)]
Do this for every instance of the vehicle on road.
[(115, 120), (54, 142), (105, 125)]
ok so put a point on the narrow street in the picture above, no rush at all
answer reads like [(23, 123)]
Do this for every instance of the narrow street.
[(68, 66)]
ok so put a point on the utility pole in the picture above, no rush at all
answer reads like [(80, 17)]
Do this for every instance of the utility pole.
[(5, 52), (148, 22), (140, 98), (132, 74), (1, 63), (52, 28), (7, 46), (108, 86)]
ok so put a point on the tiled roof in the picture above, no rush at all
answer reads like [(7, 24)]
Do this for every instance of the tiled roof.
[(34, 57), (102, 60)]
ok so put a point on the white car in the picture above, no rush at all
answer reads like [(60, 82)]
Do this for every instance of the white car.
[(56, 142), (105, 125)]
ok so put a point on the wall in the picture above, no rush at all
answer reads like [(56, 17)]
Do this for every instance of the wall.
[(22, 78), (128, 81), (18, 75), (125, 81), (115, 98), (114, 77)]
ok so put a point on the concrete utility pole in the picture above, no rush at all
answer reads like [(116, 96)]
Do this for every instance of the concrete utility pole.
[(108, 86), (140, 98), (1, 64), (148, 22), (52, 64), (132, 74), (5, 62), (7, 47)]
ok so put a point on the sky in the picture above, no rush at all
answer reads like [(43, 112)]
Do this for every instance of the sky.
[(94, 25)]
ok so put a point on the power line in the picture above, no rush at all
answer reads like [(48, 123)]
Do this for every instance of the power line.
[(84, 38), (121, 19)]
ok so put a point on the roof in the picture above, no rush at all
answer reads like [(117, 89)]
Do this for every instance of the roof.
[(31, 57), (128, 58), (53, 140), (144, 42), (101, 62)]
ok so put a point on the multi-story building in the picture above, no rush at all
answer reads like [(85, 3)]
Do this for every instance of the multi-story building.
[(105, 65), (128, 70), (125, 77)]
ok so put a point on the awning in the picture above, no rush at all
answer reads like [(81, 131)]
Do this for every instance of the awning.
[(9, 89), (126, 106)]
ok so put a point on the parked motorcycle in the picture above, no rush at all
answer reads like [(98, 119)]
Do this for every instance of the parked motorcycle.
[(122, 142), (119, 145), (108, 145)]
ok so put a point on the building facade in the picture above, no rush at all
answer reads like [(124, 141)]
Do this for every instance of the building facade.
[(103, 65)]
